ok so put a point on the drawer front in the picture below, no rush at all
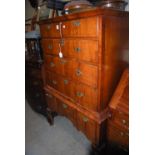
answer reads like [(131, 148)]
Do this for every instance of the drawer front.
[(87, 74), (51, 102), (87, 27), (61, 84), (86, 50), (87, 126), (121, 119), (87, 97), (61, 66), (117, 135), (50, 30), (67, 111), (50, 46)]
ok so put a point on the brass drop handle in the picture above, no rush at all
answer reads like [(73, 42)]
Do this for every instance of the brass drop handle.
[(76, 23), (80, 94), (64, 106), (52, 64), (48, 27), (122, 134), (78, 72), (50, 47), (37, 95), (66, 81), (62, 42), (63, 61), (54, 82), (48, 95), (77, 49), (85, 119), (124, 121)]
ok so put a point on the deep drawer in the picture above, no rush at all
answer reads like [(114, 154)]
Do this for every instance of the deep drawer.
[(87, 126), (67, 111), (51, 101), (87, 97)]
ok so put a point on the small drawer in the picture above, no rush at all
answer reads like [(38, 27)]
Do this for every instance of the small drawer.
[(117, 135), (50, 46), (50, 30), (87, 74), (121, 119), (86, 96), (67, 111), (51, 102), (87, 126), (86, 27), (61, 84), (62, 66)]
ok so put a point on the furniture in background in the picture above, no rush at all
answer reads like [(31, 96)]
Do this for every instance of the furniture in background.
[(33, 76), (118, 123), (85, 55)]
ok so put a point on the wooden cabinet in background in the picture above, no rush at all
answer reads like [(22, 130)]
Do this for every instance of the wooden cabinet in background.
[(118, 123), (85, 54)]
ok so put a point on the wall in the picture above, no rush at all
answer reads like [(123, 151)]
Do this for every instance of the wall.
[(28, 10)]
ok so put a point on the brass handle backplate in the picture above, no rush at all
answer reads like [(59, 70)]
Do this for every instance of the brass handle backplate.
[(78, 72), (80, 94), (52, 64), (65, 81), (63, 61), (76, 23), (62, 42), (124, 121), (48, 95), (77, 49), (64, 106), (50, 47), (54, 82), (48, 27), (85, 119)]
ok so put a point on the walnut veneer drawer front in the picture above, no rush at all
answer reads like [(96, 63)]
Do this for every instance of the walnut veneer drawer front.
[(50, 30), (62, 66), (61, 84), (66, 110), (82, 94), (51, 101), (85, 73), (117, 135), (87, 126), (121, 119), (86, 96), (86, 27), (82, 49)]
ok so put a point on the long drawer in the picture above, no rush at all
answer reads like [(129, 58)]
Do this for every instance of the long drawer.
[(85, 73), (82, 49), (82, 94), (67, 111), (87, 126)]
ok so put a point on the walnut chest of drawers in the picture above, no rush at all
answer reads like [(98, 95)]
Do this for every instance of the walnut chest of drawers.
[(84, 56)]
